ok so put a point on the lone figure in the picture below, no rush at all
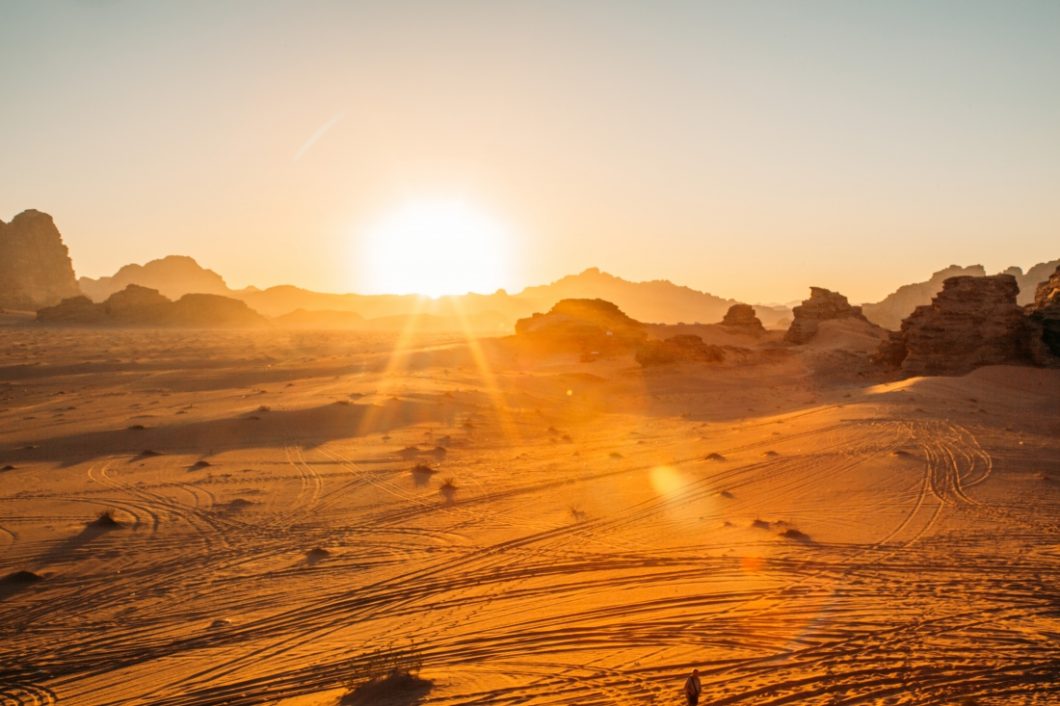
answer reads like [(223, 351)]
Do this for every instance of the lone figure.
[(693, 688)]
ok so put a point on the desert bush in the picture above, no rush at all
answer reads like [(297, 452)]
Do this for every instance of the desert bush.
[(386, 663)]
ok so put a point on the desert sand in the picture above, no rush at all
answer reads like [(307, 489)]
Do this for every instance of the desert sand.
[(287, 509)]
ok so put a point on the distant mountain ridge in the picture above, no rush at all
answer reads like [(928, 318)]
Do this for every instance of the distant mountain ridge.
[(657, 301), (172, 276), (892, 309)]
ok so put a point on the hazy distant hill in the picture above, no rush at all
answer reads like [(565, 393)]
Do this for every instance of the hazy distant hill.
[(172, 276), (1028, 281), (145, 307), (896, 306), (658, 301)]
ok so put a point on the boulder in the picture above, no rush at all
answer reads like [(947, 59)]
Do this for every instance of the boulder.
[(742, 318), (35, 267), (973, 321), (823, 305)]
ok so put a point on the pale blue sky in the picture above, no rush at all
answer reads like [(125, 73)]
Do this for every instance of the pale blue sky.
[(749, 149)]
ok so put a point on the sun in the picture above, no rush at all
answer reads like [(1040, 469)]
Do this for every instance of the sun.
[(435, 247)]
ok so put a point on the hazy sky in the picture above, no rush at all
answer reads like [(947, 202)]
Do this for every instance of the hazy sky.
[(749, 149)]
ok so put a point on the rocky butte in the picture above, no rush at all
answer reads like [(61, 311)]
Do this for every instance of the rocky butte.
[(823, 305), (973, 321), (35, 267), (741, 318)]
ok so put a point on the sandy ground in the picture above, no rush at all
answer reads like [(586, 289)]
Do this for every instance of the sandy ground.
[(591, 532)]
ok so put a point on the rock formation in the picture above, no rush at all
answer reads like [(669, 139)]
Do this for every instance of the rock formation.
[(973, 321), (585, 324), (823, 305), (1044, 320), (678, 349), (890, 311), (141, 306), (35, 267), (1028, 281), (172, 276), (742, 318)]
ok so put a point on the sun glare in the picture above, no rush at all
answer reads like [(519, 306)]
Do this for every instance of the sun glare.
[(435, 247)]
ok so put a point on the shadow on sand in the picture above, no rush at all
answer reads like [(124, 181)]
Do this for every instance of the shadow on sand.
[(309, 427)]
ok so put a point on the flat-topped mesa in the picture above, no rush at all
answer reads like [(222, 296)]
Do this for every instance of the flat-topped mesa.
[(742, 318), (1044, 322), (35, 267), (973, 321), (823, 305)]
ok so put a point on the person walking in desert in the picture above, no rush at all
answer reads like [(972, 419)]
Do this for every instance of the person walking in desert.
[(693, 688)]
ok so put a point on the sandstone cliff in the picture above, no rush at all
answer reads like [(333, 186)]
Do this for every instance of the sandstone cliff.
[(973, 321), (890, 311), (35, 267), (1044, 320)]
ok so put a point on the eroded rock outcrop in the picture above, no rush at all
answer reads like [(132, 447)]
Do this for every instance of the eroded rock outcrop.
[(586, 324), (678, 349), (892, 309), (742, 318), (141, 306), (973, 321), (823, 305), (1044, 322), (35, 267)]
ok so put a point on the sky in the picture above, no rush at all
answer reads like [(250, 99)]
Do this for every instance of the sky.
[(749, 149)]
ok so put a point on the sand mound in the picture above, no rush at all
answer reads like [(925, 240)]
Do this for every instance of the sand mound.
[(22, 577), (317, 554), (106, 521)]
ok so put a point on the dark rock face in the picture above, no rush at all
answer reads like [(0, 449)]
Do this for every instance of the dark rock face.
[(823, 305), (973, 321), (678, 349), (35, 267), (1044, 319), (140, 306), (742, 317)]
